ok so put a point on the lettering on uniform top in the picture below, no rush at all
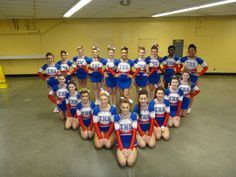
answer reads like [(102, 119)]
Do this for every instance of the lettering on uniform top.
[(170, 62), (191, 64), (123, 67), (95, 64), (159, 108), (104, 117), (125, 125), (65, 67), (185, 88), (155, 62), (86, 112), (141, 65), (81, 61), (51, 71), (110, 64), (144, 115), (73, 101), (61, 93), (173, 97)]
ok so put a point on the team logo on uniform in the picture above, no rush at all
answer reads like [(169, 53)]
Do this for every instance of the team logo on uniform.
[(64, 67), (191, 64), (125, 125), (170, 62), (104, 117), (95, 64), (154, 62), (160, 109), (80, 62), (86, 112), (51, 71), (124, 67), (173, 97), (61, 93)]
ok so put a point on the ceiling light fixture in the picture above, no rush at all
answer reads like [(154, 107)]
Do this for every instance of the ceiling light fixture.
[(76, 7), (195, 8)]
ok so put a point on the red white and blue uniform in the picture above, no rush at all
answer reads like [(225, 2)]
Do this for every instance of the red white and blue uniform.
[(111, 80), (104, 121), (141, 79), (96, 67), (191, 65), (51, 72), (169, 66), (61, 95), (154, 67), (162, 111), (71, 103), (126, 128), (145, 119), (85, 115), (65, 69), (189, 91), (124, 69), (175, 97), (80, 67)]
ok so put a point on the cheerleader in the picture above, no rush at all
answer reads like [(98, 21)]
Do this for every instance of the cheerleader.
[(154, 69), (162, 112), (80, 67), (189, 90), (96, 72), (84, 113), (65, 66), (51, 70), (146, 118), (170, 66), (103, 120), (60, 92), (72, 100), (141, 80), (124, 71), (175, 97), (126, 128), (190, 64), (111, 80)]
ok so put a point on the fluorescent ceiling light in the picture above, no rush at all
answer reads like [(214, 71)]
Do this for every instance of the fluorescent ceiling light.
[(76, 7), (195, 8)]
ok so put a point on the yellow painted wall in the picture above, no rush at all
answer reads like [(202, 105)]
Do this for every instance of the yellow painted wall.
[(214, 37)]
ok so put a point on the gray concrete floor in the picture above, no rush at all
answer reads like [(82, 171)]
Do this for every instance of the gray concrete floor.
[(33, 142)]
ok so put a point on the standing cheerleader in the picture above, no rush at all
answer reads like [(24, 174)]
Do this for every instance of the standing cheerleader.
[(96, 72), (189, 90), (103, 119), (154, 69), (84, 113), (124, 69), (162, 112), (65, 66), (111, 80), (141, 80), (170, 66), (72, 100), (126, 128), (190, 64), (60, 92), (51, 70), (146, 118), (80, 67), (175, 97)]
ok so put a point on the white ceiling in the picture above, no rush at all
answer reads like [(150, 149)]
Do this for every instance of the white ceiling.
[(106, 8)]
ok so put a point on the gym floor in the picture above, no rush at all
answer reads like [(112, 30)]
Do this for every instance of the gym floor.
[(33, 142)]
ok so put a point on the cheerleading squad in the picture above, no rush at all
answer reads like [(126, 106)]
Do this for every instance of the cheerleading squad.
[(149, 120)]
